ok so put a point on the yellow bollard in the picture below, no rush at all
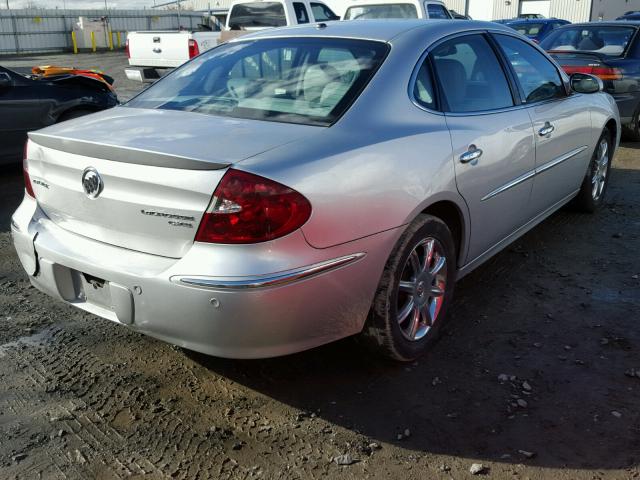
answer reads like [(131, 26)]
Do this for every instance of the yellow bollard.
[(74, 42), (93, 42), (118, 39), (110, 40)]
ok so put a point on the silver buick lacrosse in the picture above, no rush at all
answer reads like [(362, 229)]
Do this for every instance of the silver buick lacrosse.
[(299, 185)]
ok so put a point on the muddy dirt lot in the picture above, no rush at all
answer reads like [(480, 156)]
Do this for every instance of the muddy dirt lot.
[(533, 378)]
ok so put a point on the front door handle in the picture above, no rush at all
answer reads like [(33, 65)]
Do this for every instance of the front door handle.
[(157, 50), (474, 153), (546, 129)]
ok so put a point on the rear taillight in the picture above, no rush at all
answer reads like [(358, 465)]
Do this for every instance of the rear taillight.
[(194, 51), (25, 170), (246, 208), (604, 73), (126, 48)]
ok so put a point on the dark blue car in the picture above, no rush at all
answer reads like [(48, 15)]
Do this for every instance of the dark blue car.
[(536, 28), (609, 50)]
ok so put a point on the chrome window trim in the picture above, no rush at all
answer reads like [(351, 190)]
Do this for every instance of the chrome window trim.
[(536, 171), (263, 281)]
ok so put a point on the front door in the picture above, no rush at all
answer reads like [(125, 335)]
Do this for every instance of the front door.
[(493, 144), (561, 124)]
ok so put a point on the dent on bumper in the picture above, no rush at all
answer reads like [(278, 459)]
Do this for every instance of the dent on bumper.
[(315, 296)]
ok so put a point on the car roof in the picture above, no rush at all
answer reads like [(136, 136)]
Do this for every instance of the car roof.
[(536, 20), (612, 23), (381, 30)]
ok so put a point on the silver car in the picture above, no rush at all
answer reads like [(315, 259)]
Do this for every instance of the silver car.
[(300, 185)]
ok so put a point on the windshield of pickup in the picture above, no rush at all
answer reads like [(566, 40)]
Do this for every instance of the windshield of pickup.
[(297, 80), (603, 39), (389, 10), (257, 14)]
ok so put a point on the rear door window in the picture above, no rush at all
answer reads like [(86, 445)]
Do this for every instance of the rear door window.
[(322, 13), (301, 12), (437, 11), (258, 14), (470, 75), (538, 77)]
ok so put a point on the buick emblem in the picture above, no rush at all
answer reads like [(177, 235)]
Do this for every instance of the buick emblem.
[(92, 183)]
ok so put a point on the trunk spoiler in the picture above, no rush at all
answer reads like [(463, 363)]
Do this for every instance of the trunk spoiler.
[(119, 153)]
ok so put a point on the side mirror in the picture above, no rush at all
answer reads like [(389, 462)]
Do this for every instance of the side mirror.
[(5, 80), (585, 83)]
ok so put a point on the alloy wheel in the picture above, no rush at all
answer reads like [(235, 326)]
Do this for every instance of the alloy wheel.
[(600, 169), (421, 289)]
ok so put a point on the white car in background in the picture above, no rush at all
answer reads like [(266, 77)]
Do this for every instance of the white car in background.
[(151, 53), (381, 9)]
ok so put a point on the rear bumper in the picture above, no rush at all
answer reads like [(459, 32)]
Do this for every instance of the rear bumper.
[(231, 301)]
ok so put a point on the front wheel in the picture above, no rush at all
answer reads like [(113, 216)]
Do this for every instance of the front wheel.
[(594, 185), (415, 291)]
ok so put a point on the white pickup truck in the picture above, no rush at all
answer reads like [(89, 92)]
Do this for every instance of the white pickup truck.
[(426, 9), (151, 52)]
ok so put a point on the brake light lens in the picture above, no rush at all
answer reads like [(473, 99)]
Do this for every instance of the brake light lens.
[(247, 208), (25, 171), (126, 48), (605, 73), (194, 51)]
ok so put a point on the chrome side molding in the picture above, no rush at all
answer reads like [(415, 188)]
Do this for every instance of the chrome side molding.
[(534, 172), (264, 281)]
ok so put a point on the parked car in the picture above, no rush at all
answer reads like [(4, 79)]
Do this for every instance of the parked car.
[(151, 53), (390, 9), (286, 189), (609, 50), (30, 102), (251, 15), (630, 16), (536, 29)]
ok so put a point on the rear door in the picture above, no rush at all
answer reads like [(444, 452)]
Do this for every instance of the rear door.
[(492, 139), (561, 124)]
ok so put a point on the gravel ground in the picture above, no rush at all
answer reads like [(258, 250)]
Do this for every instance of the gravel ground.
[(535, 377)]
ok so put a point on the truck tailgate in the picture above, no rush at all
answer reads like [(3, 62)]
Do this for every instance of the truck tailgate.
[(158, 49)]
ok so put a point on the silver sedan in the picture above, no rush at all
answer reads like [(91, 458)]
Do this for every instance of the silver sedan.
[(300, 185)]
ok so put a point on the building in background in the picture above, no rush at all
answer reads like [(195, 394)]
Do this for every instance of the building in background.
[(572, 10)]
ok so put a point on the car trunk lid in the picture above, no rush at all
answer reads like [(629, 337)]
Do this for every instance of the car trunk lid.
[(154, 182)]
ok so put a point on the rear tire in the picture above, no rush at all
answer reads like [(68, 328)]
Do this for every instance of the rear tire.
[(632, 132), (416, 288), (594, 185)]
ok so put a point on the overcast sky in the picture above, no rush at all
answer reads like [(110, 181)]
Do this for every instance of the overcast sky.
[(125, 4)]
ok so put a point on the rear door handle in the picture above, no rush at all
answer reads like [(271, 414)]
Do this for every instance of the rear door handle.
[(546, 129), (474, 153), (157, 50)]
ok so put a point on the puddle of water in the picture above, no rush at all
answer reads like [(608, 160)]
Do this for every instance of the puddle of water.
[(35, 340)]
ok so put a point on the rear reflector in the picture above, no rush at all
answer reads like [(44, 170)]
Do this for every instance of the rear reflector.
[(604, 73), (246, 208), (25, 170), (194, 51)]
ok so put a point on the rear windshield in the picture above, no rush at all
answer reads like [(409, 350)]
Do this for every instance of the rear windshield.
[(298, 80), (528, 29), (390, 10), (605, 40), (258, 14)]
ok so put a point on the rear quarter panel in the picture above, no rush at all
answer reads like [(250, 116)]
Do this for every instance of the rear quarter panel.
[(377, 167)]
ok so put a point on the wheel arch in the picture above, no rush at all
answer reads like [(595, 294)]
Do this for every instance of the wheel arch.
[(454, 214)]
